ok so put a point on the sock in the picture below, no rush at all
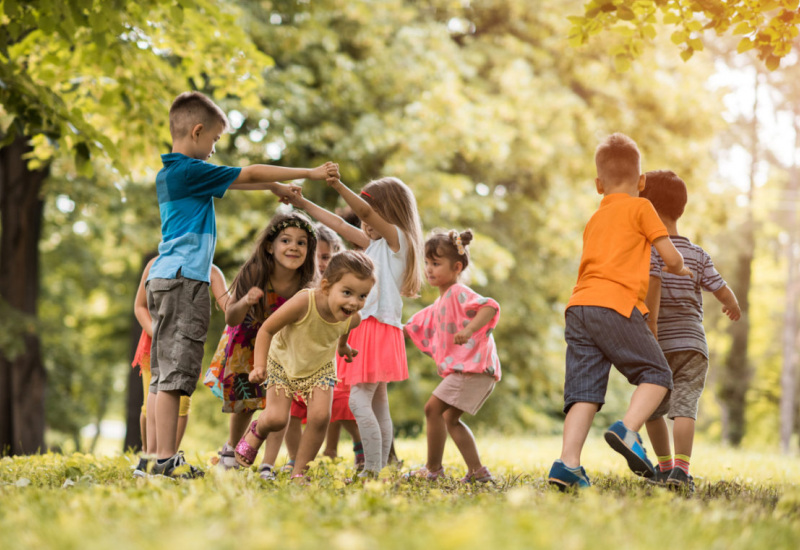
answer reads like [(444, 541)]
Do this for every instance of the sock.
[(682, 462), (162, 460), (665, 463), (358, 448)]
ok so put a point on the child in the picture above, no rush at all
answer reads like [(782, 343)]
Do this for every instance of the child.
[(605, 320), (282, 263), (456, 331), (295, 354), (676, 318), (391, 236), (328, 244), (142, 360), (176, 297)]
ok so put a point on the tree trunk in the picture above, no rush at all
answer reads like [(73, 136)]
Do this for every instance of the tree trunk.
[(22, 376)]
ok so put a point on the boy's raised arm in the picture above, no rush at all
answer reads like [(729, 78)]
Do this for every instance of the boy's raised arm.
[(263, 173), (672, 258), (730, 305)]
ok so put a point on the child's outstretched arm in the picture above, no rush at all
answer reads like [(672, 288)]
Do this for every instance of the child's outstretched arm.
[(267, 175), (219, 287), (672, 258), (653, 303), (292, 311), (344, 348), (481, 319), (730, 305), (336, 223), (140, 309), (366, 214), (237, 311)]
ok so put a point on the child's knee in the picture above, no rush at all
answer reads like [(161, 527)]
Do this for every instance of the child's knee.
[(272, 422)]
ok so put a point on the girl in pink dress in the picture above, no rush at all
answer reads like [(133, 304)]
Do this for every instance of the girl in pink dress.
[(456, 331), (391, 235)]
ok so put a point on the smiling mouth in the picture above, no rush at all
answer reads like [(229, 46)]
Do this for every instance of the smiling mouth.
[(347, 311)]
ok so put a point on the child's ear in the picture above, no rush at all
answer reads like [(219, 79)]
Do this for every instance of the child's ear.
[(325, 286), (598, 183), (459, 267), (196, 131), (642, 180)]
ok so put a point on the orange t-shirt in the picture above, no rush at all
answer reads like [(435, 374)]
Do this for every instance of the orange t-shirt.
[(615, 265)]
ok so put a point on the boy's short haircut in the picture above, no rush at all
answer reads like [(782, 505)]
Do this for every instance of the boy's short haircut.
[(667, 192), (192, 108), (617, 159)]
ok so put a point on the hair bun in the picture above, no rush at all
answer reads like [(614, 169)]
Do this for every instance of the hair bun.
[(466, 237)]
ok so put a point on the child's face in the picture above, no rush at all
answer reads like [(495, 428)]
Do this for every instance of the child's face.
[(204, 139), (323, 256), (440, 271), (289, 248), (347, 296)]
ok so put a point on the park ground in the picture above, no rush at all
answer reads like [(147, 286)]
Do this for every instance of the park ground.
[(744, 499)]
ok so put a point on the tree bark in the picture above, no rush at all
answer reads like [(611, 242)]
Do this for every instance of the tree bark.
[(22, 376)]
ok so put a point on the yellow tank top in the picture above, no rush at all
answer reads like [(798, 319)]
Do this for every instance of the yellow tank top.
[(305, 347)]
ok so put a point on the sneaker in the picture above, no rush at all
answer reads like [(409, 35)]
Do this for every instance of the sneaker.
[(659, 478), (629, 444), (680, 480), (176, 466), (564, 478), (266, 473), (143, 467), (227, 458), (481, 475)]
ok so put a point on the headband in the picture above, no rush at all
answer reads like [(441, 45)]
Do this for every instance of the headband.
[(292, 222), (366, 194), (456, 238)]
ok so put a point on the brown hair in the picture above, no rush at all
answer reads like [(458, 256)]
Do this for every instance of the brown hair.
[(261, 264), (617, 159), (192, 108), (667, 192), (393, 201), (444, 244), (327, 236), (349, 261)]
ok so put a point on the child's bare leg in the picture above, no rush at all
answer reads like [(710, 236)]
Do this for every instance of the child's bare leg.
[(183, 421), (166, 409), (152, 444), (436, 431), (658, 432), (463, 438), (332, 439), (683, 433), (273, 448), (319, 415), (273, 419), (143, 430), (351, 427), (644, 402), (294, 433), (576, 428), (237, 425)]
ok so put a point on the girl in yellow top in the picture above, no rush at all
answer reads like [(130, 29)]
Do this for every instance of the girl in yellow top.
[(295, 354)]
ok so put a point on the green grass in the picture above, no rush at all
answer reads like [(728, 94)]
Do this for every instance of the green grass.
[(744, 500)]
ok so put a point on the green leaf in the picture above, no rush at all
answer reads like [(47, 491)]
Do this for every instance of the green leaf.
[(743, 28), (625, 13), (671, 19), (678, 37), (772, 62), (744, 45), (687, 54), (622, 63), (649, 31)]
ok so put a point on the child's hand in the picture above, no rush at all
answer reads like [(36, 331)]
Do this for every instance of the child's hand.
[(286, 192), (347, 353), (258, 375), (733, 313), (462, 336), (253, 296), (327, 170), (683, 272)]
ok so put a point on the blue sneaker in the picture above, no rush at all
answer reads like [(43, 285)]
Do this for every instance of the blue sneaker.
[(629, 444), (564, 478)]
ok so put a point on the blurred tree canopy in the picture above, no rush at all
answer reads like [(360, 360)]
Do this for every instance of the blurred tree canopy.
[(482, 108), (768, 26)]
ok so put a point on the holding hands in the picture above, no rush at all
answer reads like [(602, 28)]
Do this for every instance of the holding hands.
[(324, 172)]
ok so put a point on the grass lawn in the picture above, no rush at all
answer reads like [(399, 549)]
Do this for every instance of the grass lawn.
[(744, 499)]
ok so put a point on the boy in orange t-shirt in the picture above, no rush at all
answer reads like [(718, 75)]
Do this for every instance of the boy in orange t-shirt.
[(605, 317)]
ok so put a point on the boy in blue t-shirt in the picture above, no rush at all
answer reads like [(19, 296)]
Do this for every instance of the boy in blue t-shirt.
[(676, 319), (177, 287)]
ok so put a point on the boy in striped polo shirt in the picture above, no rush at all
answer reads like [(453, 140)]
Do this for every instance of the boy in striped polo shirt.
[(676, 318)]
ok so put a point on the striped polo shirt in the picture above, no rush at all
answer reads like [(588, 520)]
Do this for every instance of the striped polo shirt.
[(186, 189), (680, 317)]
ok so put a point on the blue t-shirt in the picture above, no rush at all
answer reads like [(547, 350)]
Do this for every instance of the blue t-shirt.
[(186, 188)]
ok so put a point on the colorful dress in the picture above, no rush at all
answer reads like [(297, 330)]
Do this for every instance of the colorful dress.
[(230, 368)]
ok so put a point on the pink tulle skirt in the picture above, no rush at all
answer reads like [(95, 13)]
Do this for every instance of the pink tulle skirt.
[(381, 354)]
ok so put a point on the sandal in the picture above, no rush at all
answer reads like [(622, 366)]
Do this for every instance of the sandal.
[(303, 480), (481, 475), (266, 473), (227, 458), (245, 453), (424, 473)]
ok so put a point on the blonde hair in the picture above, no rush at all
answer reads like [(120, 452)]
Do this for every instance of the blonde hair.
[(617, 159), (192, 108), (393, 201), (349, 261)]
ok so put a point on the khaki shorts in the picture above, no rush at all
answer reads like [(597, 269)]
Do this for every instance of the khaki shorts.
[(186, 401), (465, 392), (180, 309), (689, 369)]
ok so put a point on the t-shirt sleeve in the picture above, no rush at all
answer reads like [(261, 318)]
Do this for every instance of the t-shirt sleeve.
[(651, 225), (710, 279), (656, 263), (469, 302), (420, 330), (204, 179)]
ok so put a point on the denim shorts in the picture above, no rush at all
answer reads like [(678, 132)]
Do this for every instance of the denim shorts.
[(598, 337), (181, 310)]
